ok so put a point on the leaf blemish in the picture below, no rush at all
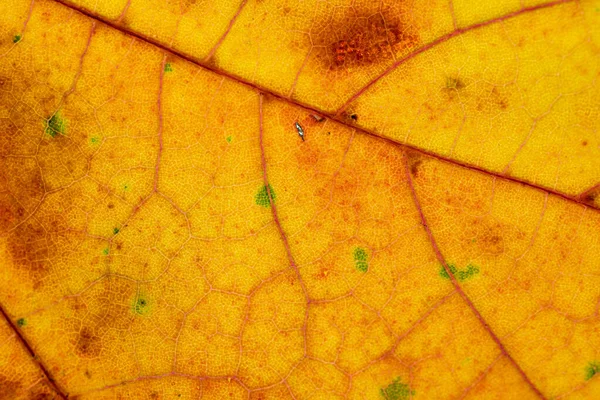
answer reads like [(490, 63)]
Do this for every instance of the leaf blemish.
[(462, 275), (17, 39), (360, 259), (592, 369), (362, 38), (454, 83), (396, 391), (142, 305), (21, 322), (55, 125), (262, 197)]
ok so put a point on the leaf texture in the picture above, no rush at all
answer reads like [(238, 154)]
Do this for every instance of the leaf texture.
[(304, 200)]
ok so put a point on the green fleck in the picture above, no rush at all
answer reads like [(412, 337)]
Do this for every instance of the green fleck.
[(468, 273), (362, 266), (443, 272), (168, 67), (55, 125), (17, 39), (462, 275), (228, 139), (126, 186), (95, 139), (592, 369), (262, 197), (116, 230), (396, 391), (360, 259), (360, 254), (142, 305), (105, 251), (21, 322)]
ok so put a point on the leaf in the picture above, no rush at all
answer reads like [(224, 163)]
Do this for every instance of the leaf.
[(271, 199)]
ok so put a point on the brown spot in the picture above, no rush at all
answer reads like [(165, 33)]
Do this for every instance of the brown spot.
[(590, 198), (414, 161), (584, 143), (499, 99), (363, 37), (88, 344), (111, 206)]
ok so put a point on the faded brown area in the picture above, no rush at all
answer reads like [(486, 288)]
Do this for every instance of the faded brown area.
[(9, 388), (98, 316), (361, 36), (15, 388), (493, 100), (33, 163), (30, 251), (88, 345)]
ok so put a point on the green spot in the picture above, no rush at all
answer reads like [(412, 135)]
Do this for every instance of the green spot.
[(592, 369), (105, 251), (168, 67), (116, 230), (17, 39), (55, 125), (126, 186), (360, 259), (228, 139), (94, 139), (141, 305), (21, 322), (362, 266), (262, 197), (461, 275), (396, 391)]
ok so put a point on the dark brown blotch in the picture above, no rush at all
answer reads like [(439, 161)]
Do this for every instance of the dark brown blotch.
[(363, 37)]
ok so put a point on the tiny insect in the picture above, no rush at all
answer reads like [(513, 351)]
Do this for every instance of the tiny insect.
[(300, 131)]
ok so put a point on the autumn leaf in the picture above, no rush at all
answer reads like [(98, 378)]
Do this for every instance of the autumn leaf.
[(268, 199)]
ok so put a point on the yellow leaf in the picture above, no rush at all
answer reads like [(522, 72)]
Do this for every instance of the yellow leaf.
[(265, 199)]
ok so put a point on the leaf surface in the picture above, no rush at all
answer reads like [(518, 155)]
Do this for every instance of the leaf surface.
[(270, 199)]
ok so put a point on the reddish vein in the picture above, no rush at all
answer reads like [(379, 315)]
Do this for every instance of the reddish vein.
[(314, 110), (278, 223), (222, 38), (34, 357), (458, 288), (160, 121)]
